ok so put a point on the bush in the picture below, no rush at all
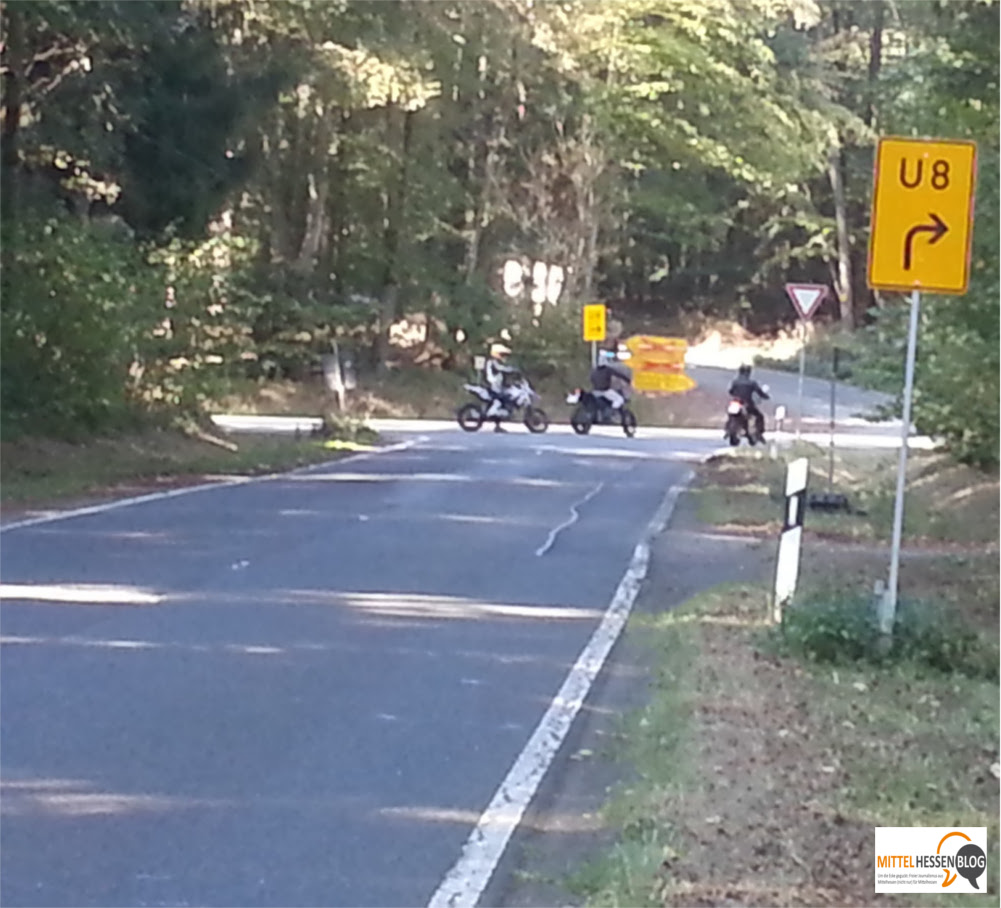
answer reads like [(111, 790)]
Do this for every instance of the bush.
[(833, 627), (841, 628), (925, 635), (74, 307)]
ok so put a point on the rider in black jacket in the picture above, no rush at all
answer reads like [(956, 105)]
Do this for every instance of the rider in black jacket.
[(743, 388)]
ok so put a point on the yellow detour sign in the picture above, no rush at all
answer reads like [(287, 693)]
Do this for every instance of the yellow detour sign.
[(658, 364), (595, 315), (922, 211)]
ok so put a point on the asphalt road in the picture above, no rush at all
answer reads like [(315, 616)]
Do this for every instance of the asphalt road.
[(850, 403), (302, 690)]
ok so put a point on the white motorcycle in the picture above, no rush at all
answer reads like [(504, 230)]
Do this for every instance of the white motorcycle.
[(518, 396)]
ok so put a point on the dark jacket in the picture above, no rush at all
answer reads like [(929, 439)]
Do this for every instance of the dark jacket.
[(601, 378), (744, 389)]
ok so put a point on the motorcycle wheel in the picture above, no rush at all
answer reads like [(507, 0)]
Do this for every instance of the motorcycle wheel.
[(628, 422), (536, 420), (470, 417), (580, 420), (732, 432)]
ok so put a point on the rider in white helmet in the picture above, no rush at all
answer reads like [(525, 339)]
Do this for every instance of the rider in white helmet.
[(494, 371)]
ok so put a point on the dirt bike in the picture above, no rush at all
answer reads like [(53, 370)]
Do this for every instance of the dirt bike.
[(593, 410), (737, 425), (519, 396)]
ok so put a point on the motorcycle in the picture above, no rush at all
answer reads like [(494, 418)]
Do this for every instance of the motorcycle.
[(594, 410), (519, 396), (738, 424)]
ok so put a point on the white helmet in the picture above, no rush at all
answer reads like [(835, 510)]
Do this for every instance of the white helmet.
[(499, 351)]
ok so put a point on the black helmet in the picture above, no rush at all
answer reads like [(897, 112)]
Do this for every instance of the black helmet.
[(744, 370)]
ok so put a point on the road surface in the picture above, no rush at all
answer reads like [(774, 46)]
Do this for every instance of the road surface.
[(303, 690), (851, 404)]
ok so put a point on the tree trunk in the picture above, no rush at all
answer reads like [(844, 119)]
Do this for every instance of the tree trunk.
[(317, 188), (9, 151), (396, 203), (336, 248), (843, 284), (875, 61), (871, 112)]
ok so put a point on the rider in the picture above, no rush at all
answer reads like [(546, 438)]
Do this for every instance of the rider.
[(743, 388), (609, 381), (494, 373)]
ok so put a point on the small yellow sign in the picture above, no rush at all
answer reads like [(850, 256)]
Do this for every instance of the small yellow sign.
[(595, 322), (922, 214)]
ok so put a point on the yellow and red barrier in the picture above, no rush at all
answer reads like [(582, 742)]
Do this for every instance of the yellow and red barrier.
[(658, 364)]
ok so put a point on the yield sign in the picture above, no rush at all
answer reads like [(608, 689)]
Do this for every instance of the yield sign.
[(806, 298)]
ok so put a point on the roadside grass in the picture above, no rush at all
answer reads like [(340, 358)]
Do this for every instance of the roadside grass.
[(655, 745), (945, 501), (758, 769), (36, 470)]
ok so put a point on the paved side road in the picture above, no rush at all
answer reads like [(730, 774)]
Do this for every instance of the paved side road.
[(303, 690), (851, 403)]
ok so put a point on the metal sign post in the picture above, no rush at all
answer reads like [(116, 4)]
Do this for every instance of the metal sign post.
[(802, 372), (921, 229), (888, 604), (806, 298), (834, 386)]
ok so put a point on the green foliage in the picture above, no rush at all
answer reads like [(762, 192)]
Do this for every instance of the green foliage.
[(549, 345), (74, 305), (840, 627), (949, 87), (361, 162)]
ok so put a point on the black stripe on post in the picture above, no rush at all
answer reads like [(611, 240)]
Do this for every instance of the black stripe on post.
[(795, 508)]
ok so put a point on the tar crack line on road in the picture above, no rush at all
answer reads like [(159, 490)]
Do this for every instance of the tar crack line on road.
[(569, 522)]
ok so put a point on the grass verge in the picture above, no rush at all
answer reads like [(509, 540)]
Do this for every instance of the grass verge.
[(945, 501), (765, 759), (36, 471)]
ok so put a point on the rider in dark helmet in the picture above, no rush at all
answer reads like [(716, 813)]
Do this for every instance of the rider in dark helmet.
[(743, 388)]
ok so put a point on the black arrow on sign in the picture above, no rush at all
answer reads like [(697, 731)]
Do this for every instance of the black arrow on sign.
[(938, 229)]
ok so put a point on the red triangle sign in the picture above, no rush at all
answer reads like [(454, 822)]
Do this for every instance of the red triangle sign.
[(806, 298)]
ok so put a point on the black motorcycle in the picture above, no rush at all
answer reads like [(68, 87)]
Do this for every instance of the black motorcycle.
[(738, 424), (591, 410)]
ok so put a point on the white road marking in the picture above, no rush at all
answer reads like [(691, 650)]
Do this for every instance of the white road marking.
[(465, 882), (569, 522), (204, 487)]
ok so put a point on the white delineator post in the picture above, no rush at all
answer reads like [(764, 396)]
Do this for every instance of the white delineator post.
[(888, 604), (787, 565)]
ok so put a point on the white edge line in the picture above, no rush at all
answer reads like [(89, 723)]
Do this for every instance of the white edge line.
[(465, 882), (203, 487), (569, 522)]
